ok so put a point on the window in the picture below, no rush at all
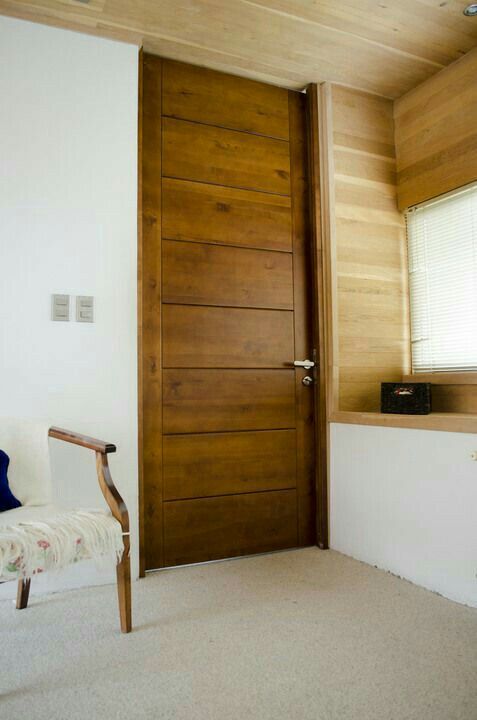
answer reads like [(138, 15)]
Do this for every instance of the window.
[(442, 243)]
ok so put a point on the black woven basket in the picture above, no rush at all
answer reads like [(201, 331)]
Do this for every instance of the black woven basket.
[(406, 398)]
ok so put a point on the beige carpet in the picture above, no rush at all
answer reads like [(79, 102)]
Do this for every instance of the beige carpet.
[(301, 635)]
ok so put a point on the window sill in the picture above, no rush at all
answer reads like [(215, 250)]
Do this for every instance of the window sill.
[(447, 422), (443, 378)]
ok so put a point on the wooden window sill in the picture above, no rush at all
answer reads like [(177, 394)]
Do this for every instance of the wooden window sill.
[(448, 422), (443, 378)]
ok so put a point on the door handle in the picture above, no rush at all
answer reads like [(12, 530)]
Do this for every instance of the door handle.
[(306, 364)]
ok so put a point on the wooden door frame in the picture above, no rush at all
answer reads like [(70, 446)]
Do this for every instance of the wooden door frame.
[(148, 279), (318, 117), (140, 386), (321, 174)]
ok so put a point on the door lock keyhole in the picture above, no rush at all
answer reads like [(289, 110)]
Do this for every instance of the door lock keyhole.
[(307, 380)]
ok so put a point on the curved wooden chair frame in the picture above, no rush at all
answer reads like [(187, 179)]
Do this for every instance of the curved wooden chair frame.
[(118, 510)]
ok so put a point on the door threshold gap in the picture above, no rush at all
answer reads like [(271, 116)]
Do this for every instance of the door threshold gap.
[(221, 560)]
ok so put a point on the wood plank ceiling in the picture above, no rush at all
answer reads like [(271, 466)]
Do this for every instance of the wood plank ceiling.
[(381, 46)]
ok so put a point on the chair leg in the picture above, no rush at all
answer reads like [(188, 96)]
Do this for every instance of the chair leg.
[(123, 572), (23, 592)]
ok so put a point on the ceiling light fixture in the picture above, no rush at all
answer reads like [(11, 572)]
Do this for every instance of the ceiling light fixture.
[(471, 10)]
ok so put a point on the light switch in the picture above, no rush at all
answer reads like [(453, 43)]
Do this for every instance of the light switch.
[(60, 308), (85, 308)]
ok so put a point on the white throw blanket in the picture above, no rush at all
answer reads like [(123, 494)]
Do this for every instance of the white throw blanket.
[(29, 548)]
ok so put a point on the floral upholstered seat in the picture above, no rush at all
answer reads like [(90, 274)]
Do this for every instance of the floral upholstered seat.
[(34, 540), (40, 536)]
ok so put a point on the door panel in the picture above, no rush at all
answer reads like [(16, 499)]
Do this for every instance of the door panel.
[(228, 216), (228, 426), (215, 400), (228, 463), (218, 337), (224, 157), (202, 274), (194, 93), (213, 528)]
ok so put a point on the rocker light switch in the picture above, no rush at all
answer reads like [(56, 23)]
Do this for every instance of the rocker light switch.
[(60, 308), (85, 308)]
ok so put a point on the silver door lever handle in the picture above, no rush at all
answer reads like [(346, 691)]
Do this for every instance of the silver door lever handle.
[(307, 364)]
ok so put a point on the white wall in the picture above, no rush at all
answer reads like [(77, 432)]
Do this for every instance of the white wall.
[(68, 198), (406, 501)]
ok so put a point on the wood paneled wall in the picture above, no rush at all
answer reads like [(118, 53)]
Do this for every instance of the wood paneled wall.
[(454, 398), (436, 150), (382, 47), (436, 134), (371, 275)]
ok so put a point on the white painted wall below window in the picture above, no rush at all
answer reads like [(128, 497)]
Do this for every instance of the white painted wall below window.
[(406, 500), (68, 224)]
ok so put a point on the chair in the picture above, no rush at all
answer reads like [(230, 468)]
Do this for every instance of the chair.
[(41, 536)]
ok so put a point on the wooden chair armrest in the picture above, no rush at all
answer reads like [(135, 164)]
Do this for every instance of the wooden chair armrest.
[(108, 488), (83, 440), (111, 494)]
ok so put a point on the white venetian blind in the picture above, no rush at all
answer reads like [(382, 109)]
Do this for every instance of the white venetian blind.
[(442, 242)]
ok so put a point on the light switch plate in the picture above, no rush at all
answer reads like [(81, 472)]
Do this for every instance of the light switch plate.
[(60, 308), (85, 308)]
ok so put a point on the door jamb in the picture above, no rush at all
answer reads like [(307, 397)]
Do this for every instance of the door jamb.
[(149, 286), (140, 375), (321, 179)]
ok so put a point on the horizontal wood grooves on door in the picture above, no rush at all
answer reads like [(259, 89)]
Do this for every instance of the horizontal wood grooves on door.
[(234, 412), (214, 400), (211, 213), (218, 337), (230, 463), (197, 273), (206, 96), (227, 526), (224, 157)]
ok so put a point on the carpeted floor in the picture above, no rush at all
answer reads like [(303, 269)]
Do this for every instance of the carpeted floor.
[(301, 635)]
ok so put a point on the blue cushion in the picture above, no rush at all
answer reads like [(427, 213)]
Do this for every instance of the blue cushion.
[(8, 500)]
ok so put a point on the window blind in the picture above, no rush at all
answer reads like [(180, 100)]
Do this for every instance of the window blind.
[(442, 247)]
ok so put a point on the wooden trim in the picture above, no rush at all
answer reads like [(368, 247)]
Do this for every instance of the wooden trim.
[(150, 289), (447, 422), (328, 244), (83, 440), (443, 378), (321, 324), (140, 290)]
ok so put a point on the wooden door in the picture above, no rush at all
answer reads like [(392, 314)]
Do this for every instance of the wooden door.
[(227, 425)]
